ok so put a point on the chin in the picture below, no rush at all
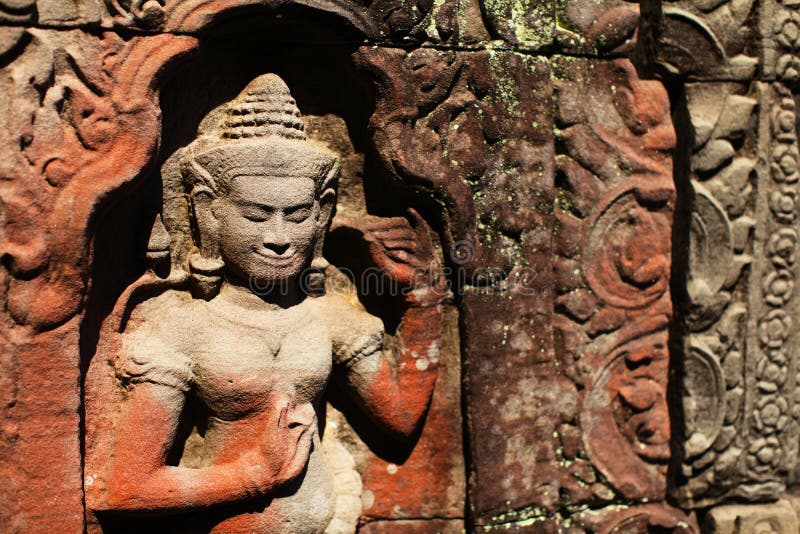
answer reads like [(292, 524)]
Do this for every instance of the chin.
[(272, 276)]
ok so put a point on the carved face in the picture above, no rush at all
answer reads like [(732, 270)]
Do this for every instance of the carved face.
[(267, 226)]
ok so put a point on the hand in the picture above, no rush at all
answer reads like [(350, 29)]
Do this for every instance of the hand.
[(285, 449), (402, 249)]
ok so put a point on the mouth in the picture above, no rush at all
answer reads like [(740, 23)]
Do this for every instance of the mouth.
[(274, 259)]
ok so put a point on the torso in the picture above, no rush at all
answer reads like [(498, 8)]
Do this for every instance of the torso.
[(241, 362), (245, 362)]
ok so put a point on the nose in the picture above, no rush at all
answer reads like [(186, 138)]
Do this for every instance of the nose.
[(275, 237)]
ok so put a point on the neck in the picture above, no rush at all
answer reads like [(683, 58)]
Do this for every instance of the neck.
[(282, 295)]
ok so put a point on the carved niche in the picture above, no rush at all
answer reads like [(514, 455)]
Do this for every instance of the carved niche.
[(242, 334)]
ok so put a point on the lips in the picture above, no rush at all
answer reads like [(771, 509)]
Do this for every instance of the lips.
[(273, 259)]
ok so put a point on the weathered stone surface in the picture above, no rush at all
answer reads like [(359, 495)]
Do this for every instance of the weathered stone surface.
[(549, 181), (589, 27), (56, 127), (614, 203), (778, 25), (775, 518), (739, 409), (438, 526), (736, 155), (17, 11), (473, 129), (715, 40), (245, 330), (430, 482), (40, 449), (720, 233)]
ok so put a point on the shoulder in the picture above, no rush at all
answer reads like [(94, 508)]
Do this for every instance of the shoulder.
[(346, 314), (154, 343), (354, 331)]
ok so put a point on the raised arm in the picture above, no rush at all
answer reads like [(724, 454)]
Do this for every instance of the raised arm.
[(395, 391), (396, 395), (138, 479)]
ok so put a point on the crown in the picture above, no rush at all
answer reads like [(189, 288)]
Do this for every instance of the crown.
[(264, 108), (259, 133)]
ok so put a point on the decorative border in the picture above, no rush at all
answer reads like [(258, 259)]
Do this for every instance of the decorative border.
[(775, 410)]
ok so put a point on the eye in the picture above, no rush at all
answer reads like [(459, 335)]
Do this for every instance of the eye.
[(299, 214), (255, 216)]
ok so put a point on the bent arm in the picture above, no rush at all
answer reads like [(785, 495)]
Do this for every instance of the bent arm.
[(396, 396), (139, 479)]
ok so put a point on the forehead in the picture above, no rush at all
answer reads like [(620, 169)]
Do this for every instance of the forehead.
[(275, 191)]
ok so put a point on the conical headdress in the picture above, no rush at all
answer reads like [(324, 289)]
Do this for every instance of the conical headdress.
[(260, 133)]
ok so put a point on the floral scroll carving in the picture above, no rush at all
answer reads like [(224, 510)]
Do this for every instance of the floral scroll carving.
[(613, 300), (91, 115)]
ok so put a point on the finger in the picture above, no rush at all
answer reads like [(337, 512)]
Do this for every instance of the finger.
[(300, 459), (415, 219), (402, 256), (283, 417), (399, 255), (401, 244), (387, 223), (302, 443), (396, 233), (421, 229)]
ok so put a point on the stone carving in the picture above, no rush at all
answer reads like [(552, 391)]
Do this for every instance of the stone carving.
[(608, 26), (780, 45), (80, 121), (720, 233), (612, 298), (472, 131), (614, 193), (577, 425), (242, 330), (773, 518), (775, 413), (703, 39), (94, 100)]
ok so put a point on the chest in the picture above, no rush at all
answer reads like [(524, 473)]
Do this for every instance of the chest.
[(241, 370)]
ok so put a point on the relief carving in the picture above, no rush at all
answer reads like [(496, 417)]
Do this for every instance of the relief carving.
[(739, 398), (780, 41), (241, 337), (614, 193), (578, 426), (703, 39), (775, 412), (720, 234)]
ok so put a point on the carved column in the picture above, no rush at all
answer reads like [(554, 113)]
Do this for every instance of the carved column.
[(736, 335)]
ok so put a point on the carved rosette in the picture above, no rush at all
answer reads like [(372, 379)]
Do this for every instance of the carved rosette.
[(703, 39), (780, 35), (774, 408)]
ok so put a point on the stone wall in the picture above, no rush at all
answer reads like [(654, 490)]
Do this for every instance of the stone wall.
[(612, 188)]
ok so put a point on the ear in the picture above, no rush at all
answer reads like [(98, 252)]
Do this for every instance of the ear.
[(206, 220), (327, 204)]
